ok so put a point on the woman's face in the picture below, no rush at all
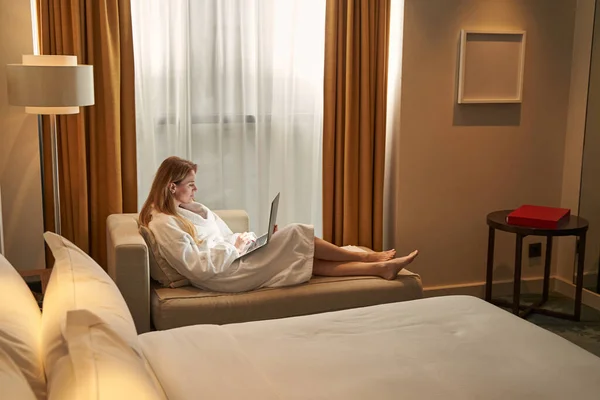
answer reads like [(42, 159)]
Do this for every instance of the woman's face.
[(183, 193)]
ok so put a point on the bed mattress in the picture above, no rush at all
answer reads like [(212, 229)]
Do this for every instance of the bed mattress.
[(453, 347)]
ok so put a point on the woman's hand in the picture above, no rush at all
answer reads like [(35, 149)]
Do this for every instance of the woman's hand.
[(243, 241)]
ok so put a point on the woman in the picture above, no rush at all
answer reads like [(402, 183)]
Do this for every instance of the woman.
[(202, 248)]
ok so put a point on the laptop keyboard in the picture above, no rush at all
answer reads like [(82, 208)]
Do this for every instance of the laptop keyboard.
[(259, 242)]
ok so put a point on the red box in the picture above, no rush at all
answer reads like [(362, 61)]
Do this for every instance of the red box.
[(538, 216)]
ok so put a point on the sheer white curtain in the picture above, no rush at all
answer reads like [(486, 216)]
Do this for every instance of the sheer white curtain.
[(237, 87), (391, 187)]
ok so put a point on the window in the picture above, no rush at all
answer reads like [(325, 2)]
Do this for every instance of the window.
[(236, 86)]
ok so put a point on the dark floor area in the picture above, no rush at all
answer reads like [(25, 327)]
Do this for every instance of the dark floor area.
[(585, 333)]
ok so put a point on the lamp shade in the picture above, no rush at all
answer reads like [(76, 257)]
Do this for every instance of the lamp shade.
[(50, 84)]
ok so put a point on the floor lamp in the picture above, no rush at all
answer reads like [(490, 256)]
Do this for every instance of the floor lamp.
[(51, 85)]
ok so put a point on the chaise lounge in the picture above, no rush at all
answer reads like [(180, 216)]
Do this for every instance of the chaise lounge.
[(161, 308)]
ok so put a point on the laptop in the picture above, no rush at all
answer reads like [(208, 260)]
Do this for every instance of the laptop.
[(264, 239)]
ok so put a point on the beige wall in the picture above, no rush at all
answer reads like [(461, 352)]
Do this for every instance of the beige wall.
[(589, 204), (454, 164), (574, 141), (19, 153)]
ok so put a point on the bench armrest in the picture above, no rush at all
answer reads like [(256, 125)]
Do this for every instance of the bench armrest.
[(128, 260), (128, 266)]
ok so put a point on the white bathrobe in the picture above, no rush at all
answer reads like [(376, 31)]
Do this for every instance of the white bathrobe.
[(211, 265)]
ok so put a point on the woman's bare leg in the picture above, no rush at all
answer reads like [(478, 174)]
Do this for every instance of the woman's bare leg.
[(386, 269), (330, 252)]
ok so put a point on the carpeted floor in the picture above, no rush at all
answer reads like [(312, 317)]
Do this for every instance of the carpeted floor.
[(585, 333)]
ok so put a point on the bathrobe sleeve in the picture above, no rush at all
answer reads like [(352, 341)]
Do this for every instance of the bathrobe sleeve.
[(228, 235), (205, 212), (197, 262)]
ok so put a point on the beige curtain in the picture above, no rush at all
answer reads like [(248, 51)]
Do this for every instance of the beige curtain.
[(97, 154), (356, 55)]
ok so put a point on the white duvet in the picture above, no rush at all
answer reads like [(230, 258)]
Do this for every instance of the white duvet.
[(454, 347)]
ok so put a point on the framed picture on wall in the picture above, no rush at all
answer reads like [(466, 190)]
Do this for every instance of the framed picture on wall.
[(491, 65)]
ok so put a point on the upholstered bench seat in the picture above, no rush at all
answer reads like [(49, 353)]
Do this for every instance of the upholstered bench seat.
[(188, 305)]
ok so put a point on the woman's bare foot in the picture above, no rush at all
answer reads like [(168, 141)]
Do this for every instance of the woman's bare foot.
[(379, 256), (392, 267)]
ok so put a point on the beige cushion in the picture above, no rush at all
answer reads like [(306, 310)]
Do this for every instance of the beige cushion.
[(104, 365), (12, 382), (160, 270), (78, 282), (20, 324), (188, 305)]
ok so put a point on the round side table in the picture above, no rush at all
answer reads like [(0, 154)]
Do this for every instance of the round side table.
[(573, 226)]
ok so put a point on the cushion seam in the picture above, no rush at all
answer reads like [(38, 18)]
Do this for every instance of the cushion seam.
[(163, 299), (72, 277), (269, 289)]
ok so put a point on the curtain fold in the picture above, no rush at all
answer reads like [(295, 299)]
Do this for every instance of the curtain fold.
[(354, 121), (97, 147)]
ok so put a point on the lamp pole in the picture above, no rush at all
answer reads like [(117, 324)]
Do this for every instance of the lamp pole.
[(55, 182)]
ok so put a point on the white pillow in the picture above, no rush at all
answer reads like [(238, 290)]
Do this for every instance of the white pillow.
[(104, 365), (13, 383), (78, 282), (160, 269), (20, 324)]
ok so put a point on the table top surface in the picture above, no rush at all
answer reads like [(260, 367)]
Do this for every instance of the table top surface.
[(574, 225)]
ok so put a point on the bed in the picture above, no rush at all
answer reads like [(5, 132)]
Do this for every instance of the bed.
[(84, 345), (454, 347)]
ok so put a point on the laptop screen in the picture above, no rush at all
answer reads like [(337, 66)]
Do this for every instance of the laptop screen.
[(273, 216)]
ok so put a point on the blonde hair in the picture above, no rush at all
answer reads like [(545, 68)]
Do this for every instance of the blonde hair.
[(172, 170)]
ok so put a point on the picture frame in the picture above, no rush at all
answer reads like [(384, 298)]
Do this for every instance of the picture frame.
[(491, 66)]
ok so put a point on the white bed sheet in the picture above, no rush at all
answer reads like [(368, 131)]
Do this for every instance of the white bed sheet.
[(454, 347)]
